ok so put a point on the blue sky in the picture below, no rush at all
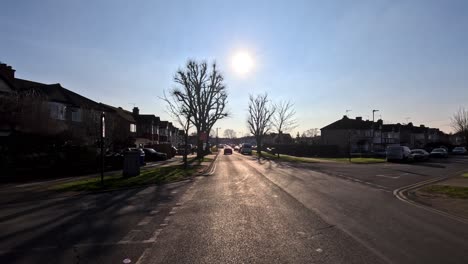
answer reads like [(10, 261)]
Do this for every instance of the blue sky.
[(405, 58)]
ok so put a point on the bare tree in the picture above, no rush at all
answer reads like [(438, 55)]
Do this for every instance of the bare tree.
[(313, 132), (203, 94), (460, 122), (283, 119), (229, 133), (183, 118), (259, 119)]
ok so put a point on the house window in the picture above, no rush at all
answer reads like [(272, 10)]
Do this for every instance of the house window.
[(57, 110), (76, 115), (132, 128)]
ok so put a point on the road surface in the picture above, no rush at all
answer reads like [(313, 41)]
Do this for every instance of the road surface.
[(246, 211)]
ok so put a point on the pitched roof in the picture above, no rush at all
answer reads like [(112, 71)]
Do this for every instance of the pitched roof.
[(56, 93), (22, 84), (147, 118), (348, 123), (127, 115)]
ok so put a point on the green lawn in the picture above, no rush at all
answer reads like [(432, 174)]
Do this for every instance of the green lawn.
[(465, 175), (151, 176), (358, 160), (313, 160), (450, 191)]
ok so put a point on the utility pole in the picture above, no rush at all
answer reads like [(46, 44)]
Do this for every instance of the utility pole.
[(103, 135), (373, 129), (217, 138)]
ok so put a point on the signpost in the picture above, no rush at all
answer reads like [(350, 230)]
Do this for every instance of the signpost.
[(103, 135)]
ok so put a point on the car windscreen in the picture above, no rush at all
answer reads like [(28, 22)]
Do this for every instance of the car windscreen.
[(247, 146)]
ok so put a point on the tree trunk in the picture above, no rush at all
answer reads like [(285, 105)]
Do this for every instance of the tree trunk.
[(259, 146), (185, 149)]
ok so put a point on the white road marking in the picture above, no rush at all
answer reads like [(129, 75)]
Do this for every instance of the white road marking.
[(319, 250), (145, 220), (154, 212), (142, 257), (390, 176), (129, 236), (154, 236)]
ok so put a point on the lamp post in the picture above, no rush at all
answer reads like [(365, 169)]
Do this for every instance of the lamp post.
[(103, 135), (217, 138), (372, 142)]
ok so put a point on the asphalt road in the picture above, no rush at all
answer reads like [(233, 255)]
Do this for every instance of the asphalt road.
[(246, 211)]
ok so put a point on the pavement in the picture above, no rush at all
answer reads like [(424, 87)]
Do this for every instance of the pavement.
[(38, 190), (244, 211)]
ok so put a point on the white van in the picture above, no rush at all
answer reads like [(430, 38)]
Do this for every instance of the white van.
[(398, 153)]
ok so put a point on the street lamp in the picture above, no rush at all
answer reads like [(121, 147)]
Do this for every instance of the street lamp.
[(217, 138), (103, 135), (373, 118)]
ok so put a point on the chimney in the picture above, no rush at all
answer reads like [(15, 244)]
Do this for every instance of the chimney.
[(359, 118), (7, 72), (136, 111)]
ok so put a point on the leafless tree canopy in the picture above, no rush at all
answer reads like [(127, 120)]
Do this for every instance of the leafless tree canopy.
[(460, 122), (313, 132), (182, 115), (229, 133), (283, 119), (202, 93), (260, 115)]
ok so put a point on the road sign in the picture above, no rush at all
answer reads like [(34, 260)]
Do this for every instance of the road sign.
[(203, 136)]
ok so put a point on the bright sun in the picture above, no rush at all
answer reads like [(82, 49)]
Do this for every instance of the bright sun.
[(242, 62)]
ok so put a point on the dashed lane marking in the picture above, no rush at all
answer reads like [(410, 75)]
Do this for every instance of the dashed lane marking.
[(145, 220)]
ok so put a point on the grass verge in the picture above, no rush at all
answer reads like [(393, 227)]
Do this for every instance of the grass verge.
[(449, 191), (314, 160), (151, 176), (358, 160), (465, 175)]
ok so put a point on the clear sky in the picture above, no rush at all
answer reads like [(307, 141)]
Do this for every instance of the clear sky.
[(405, 58)]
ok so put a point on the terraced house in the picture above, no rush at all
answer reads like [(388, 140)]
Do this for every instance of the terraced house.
[(358, 135)]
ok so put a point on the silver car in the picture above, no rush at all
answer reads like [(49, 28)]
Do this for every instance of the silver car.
[(399, 153)]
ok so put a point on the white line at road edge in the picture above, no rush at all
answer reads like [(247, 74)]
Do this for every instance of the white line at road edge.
[(213, 166), (400, 194)]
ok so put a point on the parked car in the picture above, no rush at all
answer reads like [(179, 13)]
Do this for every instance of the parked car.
[(400, 153), (246, 149), (220, 146), (153, 155), (459, 151), (420, 154), (236, 148), (228, 151), (439, 153)]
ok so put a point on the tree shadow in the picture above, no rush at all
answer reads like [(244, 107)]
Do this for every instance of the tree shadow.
[(94, 225)]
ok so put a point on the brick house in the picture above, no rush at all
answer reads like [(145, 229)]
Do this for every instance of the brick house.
[(54, 111), (147, 128), (364, 136)]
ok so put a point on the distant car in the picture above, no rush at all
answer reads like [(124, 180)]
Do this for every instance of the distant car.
[(459, 151), (439, 153), (153, 155), (420, 154), (400, 153), (220, 146), (236, 148), (228, 151), (246, 149)]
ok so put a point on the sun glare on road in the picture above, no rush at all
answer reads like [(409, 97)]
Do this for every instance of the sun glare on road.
[(242, 62)]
